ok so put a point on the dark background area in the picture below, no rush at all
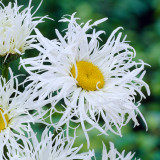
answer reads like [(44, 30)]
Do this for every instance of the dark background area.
[(141, 22)]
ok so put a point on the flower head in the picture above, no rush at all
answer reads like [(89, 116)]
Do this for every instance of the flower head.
[(52, 149), (16, 27), (113, 154), (14, 113), (94, 81)]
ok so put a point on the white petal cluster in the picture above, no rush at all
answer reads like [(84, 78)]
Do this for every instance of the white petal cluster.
[(15, 105), (16, 26), (115, 103), (113, 154), (48, 148)]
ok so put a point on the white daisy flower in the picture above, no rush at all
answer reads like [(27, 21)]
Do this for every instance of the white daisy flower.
[(14, 113), (94, 82), (16, 27), (113, 154), (48, 148)]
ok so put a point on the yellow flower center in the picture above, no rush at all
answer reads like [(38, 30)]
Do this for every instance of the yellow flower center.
[(89, 76), (3, 120)]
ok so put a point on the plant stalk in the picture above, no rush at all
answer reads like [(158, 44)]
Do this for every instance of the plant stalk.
[(5, 70)]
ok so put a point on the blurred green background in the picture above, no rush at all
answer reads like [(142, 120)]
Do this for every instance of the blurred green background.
[(141, 22)]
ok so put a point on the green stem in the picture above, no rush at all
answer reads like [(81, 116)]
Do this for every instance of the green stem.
[(5, 69), (5, 65)]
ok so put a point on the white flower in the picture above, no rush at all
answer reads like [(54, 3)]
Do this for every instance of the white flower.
[(94, 82), (48, 148), (15, 28), (14, 113), (113, 154)]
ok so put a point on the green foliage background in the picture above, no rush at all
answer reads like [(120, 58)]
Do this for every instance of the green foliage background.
[(141, 22)]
